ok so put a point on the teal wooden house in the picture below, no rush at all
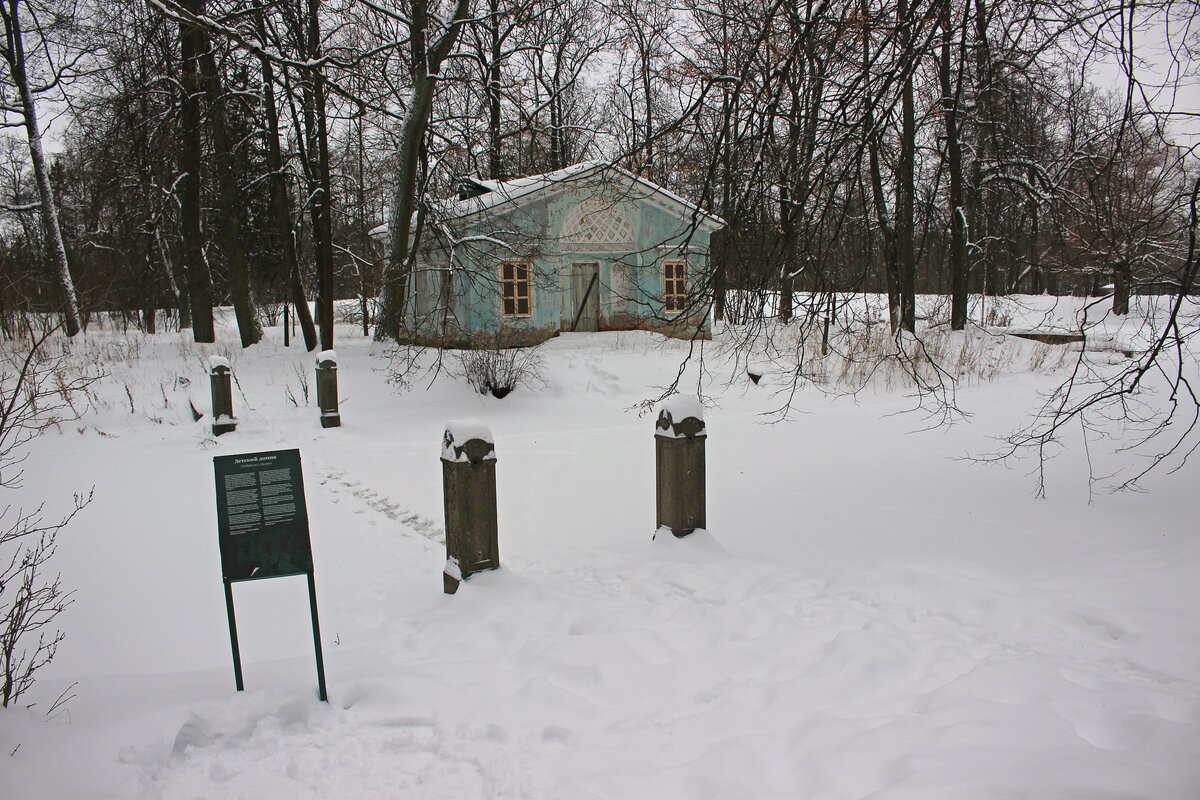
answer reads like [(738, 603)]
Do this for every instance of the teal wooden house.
[(588, 248)]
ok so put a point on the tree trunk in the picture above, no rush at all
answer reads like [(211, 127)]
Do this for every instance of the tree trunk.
[(1036, 284), (281, 203), (149, 306), (321, 218), (198, 277), (787, 249), (182, 303), (230, 225), (364, 236), (954, 165), (395, 287), (1122, 280), (890, 267), (905, 188), (649, 110), (831, 311), (492, 90), (558, 143), (718, 285), (14, 54), (725, 249), (426, 66), (322, 196), (979, 219)]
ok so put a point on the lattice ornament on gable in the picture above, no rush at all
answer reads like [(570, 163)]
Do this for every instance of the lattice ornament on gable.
[(596, 224)]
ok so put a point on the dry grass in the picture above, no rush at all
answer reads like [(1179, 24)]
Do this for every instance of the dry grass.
[(858, 351)]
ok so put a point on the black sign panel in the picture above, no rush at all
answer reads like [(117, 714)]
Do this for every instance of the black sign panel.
[(261, 517)]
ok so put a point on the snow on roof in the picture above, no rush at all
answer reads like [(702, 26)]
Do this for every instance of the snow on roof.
[(521, 190), (480, 185)]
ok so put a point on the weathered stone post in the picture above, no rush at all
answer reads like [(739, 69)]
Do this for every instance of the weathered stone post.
[(469, 492), (679, 465), (219, 376), (327, 395)]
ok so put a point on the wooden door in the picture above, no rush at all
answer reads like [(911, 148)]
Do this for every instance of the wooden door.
[(585, 296)]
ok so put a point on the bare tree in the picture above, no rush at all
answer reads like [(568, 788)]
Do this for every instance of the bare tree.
[(430, 42), (229, 218), (953, 46), (21, 17), (1135, 200), (199, 279), (281, 200), (561, 44), (646, 29)]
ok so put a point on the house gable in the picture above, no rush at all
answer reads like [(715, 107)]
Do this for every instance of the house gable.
[(596, 225), (596, 177)]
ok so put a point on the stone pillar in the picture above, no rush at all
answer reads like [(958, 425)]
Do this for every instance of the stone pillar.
[(679, 436), (220, 376), (469, 492), (327, 394)]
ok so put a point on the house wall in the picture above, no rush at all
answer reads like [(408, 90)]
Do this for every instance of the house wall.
[(630, 277)]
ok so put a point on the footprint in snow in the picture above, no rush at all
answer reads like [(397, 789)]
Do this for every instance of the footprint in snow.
[(338, 481), (556, 738)]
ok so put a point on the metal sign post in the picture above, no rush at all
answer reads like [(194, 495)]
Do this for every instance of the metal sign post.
[(262, 523)]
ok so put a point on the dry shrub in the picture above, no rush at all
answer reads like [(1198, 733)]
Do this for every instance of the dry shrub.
[(936, 355), (862, 352), (37, 393), (497, 371)]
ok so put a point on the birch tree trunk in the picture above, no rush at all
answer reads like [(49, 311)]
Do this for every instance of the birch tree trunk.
[(14, 54)]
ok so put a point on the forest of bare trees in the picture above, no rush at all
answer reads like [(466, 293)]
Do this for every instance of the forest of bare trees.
[(239, 152)]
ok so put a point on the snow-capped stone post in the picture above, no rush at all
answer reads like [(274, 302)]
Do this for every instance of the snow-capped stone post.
[(679, 436), (220, 376), (327, 395), (469, 492)]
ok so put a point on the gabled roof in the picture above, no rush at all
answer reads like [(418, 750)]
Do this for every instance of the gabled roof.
[(506, 195)]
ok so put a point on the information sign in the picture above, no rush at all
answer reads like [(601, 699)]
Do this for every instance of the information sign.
[(261, 517), (262, 528)]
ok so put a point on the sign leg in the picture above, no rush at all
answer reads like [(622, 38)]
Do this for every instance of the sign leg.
[(312, 606), (233, 640)]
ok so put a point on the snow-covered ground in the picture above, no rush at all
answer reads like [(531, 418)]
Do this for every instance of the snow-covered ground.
[(868, 615)]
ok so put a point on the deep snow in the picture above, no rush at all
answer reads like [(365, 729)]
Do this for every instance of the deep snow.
[(868, 615)]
